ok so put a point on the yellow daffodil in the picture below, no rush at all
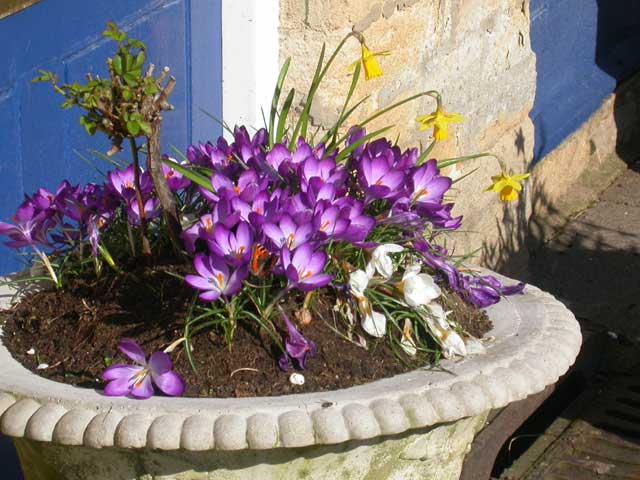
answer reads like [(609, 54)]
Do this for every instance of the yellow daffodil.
[(440, 121), (369, 62), (507, 186)]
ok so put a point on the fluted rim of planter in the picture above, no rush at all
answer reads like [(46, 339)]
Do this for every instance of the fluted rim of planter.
[(536, 341)]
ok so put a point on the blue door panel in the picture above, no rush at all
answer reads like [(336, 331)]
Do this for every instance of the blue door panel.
[(583, 49), (39, 140)]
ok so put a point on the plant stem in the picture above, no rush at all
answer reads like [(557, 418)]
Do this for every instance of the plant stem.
[(146, 247), (167, 201)]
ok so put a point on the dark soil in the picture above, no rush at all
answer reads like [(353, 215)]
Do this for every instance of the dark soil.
[(76, 332)]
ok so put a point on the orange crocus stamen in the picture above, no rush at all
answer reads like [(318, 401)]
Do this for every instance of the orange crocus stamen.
[(306, 274), (220, 279), (325, 225)]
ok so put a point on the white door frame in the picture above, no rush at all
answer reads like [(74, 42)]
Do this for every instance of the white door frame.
[(250, 63)]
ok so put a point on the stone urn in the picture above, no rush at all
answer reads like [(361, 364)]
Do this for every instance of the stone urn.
[(417, 425)]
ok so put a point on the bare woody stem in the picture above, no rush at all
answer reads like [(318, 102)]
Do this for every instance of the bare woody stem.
[(146, 247), (152, 110)]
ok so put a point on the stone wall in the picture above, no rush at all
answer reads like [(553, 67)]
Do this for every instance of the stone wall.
[(475, 52)]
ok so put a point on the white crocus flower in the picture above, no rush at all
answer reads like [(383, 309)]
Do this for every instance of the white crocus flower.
[(419, 288), (452, 344), (381, 261), (374, 323), (358, 282), (407, 343)]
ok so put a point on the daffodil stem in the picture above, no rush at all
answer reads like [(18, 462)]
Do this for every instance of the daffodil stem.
[(430, 93)]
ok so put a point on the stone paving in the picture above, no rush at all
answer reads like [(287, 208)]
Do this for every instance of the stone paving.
[(593, 266)]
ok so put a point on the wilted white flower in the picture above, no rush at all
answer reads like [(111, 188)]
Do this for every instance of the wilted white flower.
[(381, 261), (452, 344), (407, 343), (31, 351), (374, 323), (358, 282), (419, 288)]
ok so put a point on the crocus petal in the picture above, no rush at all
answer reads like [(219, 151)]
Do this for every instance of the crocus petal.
[(118, 387), (160, 363), (170, 383), (142, 389), (132, 350), (452, 344), (197, 282), (381, 260), (420, 290), (407, 343), (358, 282), (375, 324), (120, 370)]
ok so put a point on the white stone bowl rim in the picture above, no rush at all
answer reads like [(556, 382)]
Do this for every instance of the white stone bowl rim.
[(536, 341)]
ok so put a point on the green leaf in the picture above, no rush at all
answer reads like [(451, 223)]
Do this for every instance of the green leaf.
[(301, 124), (452, 161), (88, 125), (283, 116), (145, 127), (131, 79), (333, 131), (276, 98), (195, 177), (133, 127), (347, 151), (425, 153), (116, 63), (140, 58)]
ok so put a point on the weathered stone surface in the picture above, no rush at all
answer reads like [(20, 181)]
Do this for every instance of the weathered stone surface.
[(475, 52)]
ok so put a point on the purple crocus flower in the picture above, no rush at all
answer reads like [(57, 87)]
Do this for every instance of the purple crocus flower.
[(304, 268), (327, 220), (214, 278), (378, 178), (426, 185), (296, 345), (30, 227), (287, 233), (151, 210), (175, 180), (234, 247), (486, 290), (122, 182), (137, 380)]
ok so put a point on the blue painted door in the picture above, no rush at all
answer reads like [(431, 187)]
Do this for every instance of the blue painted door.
[(38, 140), (583, 49)]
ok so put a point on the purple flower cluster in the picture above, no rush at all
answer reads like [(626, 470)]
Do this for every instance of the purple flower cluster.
[(414, 193), (63, 219), (269, 211)]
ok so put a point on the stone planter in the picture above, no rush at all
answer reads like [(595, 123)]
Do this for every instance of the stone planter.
[(416, 425)]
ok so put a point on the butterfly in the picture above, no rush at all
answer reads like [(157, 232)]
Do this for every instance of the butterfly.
[(262, 262)]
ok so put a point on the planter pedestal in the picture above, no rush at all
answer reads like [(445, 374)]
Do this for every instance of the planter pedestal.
[(416, 425), (427, 453)]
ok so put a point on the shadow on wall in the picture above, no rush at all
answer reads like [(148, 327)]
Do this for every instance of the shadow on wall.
[(595, 57), (618, 54)]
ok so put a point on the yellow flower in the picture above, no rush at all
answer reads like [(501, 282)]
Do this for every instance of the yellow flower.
[(440, 121), (507, 186), (369, 62)]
